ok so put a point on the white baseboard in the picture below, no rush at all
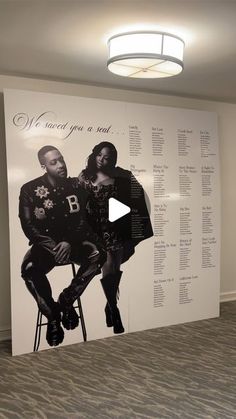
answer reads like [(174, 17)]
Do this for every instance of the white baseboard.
[(5, 333), (227, 296)]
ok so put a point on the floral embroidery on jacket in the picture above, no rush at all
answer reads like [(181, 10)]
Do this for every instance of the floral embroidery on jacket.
[(39, 213), (42, 192), (48, 204)]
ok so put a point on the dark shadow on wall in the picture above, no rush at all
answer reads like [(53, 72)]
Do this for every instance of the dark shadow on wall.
[(4, 230)]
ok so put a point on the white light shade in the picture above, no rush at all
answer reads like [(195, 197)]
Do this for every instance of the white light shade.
[(145, 55)]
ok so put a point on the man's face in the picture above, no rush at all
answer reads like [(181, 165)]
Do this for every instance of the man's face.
[(55, 165)]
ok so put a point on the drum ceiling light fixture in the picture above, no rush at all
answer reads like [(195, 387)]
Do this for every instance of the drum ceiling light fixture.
[(145, 54)]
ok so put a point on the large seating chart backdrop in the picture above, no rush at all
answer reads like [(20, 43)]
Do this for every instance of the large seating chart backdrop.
[(173, 277)]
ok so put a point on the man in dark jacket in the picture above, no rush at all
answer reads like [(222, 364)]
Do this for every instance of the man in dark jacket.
[(52, 211)]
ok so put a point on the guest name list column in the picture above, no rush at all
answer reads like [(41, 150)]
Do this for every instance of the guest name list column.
[(174, 155), (164, 241)]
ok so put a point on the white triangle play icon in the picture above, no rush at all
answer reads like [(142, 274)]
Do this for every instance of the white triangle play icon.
[(116, 209)]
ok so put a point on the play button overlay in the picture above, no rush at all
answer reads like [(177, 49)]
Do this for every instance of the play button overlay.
[(116, 209)]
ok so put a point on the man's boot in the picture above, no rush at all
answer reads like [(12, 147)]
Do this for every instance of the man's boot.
[(39, 287), (66, 299), (110, 284), (70, 318), (68, 296), (55, 333)]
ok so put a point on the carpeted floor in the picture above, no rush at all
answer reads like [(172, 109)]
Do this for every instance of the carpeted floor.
[(184, 371)]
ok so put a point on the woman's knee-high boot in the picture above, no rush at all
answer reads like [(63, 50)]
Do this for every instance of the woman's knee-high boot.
[(116, 283), (110, 284)]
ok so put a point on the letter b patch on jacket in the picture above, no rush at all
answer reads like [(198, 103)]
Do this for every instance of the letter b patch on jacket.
[(73, 203)]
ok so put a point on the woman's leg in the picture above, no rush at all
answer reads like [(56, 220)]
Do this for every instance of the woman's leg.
[(113, 262), (110, 283)]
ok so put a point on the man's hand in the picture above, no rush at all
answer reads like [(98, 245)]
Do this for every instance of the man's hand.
[(62, 250)]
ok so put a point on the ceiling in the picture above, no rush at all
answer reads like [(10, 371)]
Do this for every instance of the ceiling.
[(66, 40)]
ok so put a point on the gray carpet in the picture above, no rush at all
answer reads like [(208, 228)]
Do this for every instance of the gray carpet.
[(184, 371)]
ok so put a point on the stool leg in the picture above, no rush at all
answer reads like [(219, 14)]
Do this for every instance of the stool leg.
[(73, 269), (38, 331), (81, 315)]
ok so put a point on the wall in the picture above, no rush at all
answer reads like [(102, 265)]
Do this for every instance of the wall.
[(227, 127)]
